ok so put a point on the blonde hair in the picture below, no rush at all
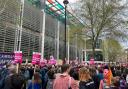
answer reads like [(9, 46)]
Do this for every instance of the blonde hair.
[(84, 74)]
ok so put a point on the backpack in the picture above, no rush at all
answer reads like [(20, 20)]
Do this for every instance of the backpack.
[(87, 84)]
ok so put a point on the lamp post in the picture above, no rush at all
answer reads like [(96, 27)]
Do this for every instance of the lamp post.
[(65, 4)]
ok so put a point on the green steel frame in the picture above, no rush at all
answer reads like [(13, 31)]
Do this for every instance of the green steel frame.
[(55, 9)]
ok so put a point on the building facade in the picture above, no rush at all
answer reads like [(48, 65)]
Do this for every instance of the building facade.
[(31, 32)]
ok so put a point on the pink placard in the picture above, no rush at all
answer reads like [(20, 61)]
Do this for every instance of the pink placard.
[(91, 62), (52, 61), (43, 62), (18, 56), (36, 58)]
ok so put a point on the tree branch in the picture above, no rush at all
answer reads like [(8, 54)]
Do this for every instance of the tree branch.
[(4, 5)]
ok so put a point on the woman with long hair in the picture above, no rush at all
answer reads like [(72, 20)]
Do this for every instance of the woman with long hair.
[(86, 81), (36, 83)]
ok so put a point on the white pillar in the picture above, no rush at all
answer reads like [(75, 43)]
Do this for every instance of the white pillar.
[(43, 36), (58, 41), (68, 44), (20, 23)]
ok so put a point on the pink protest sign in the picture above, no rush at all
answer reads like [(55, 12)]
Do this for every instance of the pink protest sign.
[(52, 61), (43, 62), (18, 57), (91, 62), (36, 58)]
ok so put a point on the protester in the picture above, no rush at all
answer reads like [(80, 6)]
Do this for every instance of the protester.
[(94, 76), (100, 74), (75, 76), (3, 74), (51, 77), (64, 80), (86, 81), (36, 82), (122, 83), (106, 82), (64, 77), (44, 76), (14, 80)]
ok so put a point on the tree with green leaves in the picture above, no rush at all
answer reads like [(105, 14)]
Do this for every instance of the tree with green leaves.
[(102, 18), (76, 38), (112, 49), (76, 35)]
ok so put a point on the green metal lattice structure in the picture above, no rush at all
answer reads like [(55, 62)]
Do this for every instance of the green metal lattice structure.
[(55, 9)]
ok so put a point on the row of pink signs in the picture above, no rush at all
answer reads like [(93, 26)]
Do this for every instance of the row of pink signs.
[(36, 57)]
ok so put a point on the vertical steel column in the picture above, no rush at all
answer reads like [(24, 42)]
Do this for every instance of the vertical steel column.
[(43, 36), (65, 3), (68, 44), (58, 41), (20, 24), (65, 31)]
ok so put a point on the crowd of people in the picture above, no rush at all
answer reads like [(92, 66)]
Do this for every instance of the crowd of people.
[(100, 76)]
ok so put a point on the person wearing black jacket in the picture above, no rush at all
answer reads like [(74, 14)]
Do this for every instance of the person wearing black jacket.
[(85, 79)]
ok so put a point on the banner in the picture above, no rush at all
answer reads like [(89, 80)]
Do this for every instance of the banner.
[(6, 58), (18, 56), (36, 58)]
